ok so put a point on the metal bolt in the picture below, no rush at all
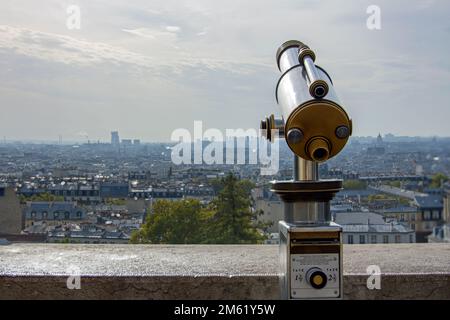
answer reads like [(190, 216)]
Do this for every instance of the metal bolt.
[(342, 132), (263, 125), (294, 135)]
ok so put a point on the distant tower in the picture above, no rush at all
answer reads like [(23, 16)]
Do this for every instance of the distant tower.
[(379, 139), (115, 140)]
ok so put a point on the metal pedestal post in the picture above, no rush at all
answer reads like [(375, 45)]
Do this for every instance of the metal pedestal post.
[(310, 243)]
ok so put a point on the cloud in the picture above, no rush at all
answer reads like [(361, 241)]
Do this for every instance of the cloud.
[(142, 32), (69, 50), (168, 57), (65, 49), (174, 29)]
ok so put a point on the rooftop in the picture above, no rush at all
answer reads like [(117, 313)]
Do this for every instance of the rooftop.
[(429, 201)]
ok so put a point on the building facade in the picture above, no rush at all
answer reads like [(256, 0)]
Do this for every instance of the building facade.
[(53, 213), (429, 215), (371, 228), (115, 140), (11, 219)]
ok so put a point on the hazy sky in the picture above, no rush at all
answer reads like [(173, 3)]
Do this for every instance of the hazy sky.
[(146, 67)]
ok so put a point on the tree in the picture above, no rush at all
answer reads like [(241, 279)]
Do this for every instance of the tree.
[(115, 201), (354, 185), (42, 197), (228, 219), (174, 222), (396, 184), (233, 220), (438, 179)]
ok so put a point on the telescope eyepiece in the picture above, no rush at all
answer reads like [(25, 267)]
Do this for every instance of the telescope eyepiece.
[(318, 149), (318, 89)]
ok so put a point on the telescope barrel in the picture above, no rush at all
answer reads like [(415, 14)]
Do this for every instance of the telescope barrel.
[(287, 55), (318, 88), (291, 54), (316, 125)]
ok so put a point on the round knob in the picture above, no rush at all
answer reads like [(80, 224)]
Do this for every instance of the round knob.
[(316, 278), (342, 132), (294, 135)]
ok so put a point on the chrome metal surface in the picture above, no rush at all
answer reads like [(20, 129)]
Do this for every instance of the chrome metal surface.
[(293, 90), (279, 124), (315, 81), (288, 227), (304, 212), (289, 59), (305, 170), (287, 276)]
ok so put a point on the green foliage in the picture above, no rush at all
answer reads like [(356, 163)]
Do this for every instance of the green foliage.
[(385, 197), (354, 185), (115, 201), (374, 197), (174, 222), (234, 221), (65, 240), (396, 184), (438, 179), (43, 197), (228, 219)]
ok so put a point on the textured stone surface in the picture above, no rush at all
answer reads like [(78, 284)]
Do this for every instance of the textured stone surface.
[(140, 260), (40, 271)]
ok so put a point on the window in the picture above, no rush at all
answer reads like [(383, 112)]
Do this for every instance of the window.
[(44, 215), (413, 226), (350, 239), (67, 215), (427, 215), (411, 240), (373, 238), (397, 238), (385, 239), (55, 215), (362, 239), (33, 214), (79, 214), (436, 215)]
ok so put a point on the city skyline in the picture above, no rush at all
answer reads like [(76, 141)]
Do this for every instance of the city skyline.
[(149, 68), (60, 139)]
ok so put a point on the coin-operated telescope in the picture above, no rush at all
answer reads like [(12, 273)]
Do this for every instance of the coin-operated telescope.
[(316, 128)]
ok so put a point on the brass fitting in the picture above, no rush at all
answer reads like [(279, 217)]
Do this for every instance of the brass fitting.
[(318, 149), (322, 123)]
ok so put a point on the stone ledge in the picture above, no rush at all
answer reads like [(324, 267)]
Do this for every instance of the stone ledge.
[(40, 271)]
